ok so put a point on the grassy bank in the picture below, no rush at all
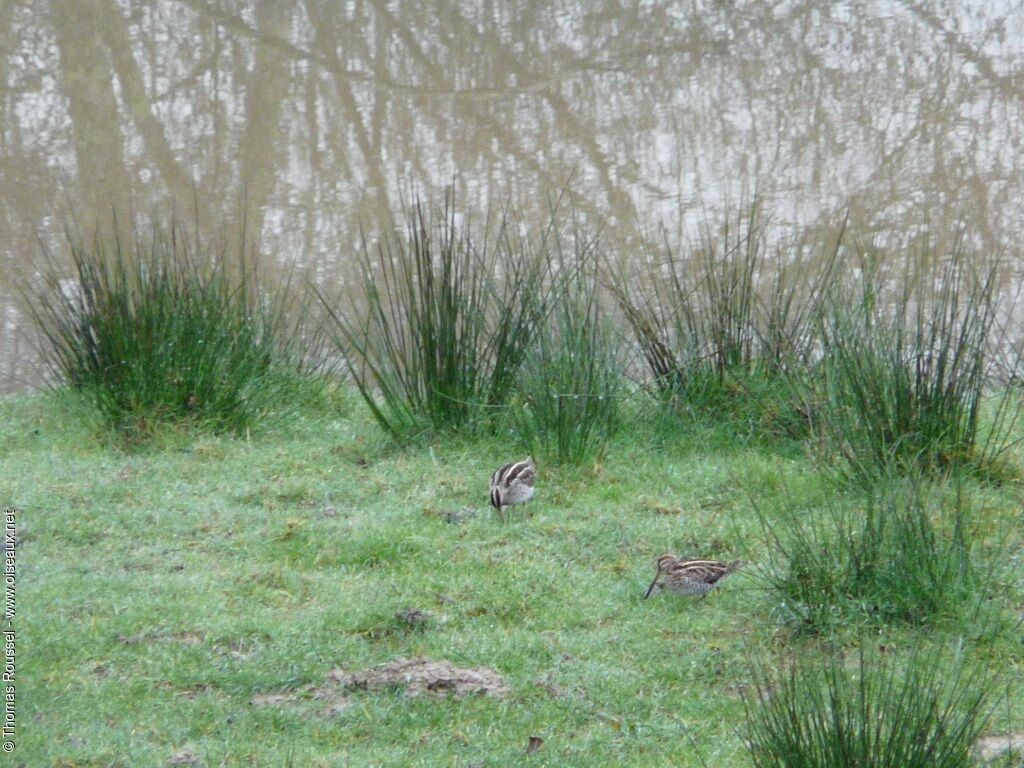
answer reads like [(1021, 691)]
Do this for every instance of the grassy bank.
[(192, 596), (227, 560)]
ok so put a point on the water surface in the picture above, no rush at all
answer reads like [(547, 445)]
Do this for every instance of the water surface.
[(310, 116)]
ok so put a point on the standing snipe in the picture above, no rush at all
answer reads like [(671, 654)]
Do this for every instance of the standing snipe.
[(512, 483), (689, 577)]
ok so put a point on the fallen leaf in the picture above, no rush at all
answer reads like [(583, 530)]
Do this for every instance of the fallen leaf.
[(534, 745), (661, 510)]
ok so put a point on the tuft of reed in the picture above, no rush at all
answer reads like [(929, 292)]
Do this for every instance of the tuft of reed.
[(164, 330), (441, 317), (572, 380), (920, 709), (911, 554), (718, 325), (906, 367)]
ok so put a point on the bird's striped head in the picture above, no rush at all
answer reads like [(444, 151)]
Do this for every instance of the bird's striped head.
[(665, 562), (506, 474), (521, 470)]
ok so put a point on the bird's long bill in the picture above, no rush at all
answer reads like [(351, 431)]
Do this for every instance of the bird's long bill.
[(651, 588)]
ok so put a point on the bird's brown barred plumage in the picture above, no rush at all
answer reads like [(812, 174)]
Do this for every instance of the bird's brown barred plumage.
[(512, 483), (690, 576)]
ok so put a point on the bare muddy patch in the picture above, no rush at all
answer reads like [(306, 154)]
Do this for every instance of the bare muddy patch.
[(332, 698), (415, 676), (422, 676)]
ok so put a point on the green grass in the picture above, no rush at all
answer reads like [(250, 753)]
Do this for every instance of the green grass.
[(904, 552), (720, 320), (907, 364), (165, 329), (442, 314), (161, 591), (920, 709), (572, 382), (195, 594)]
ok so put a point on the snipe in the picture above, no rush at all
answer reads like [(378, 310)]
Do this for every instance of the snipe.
[(512, 483), (685, 576)]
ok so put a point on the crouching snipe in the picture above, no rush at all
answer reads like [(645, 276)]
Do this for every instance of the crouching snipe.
[(512, 484), (689, 577)]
